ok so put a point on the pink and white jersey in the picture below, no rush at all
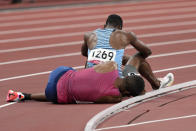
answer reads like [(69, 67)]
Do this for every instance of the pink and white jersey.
[(86, 85)]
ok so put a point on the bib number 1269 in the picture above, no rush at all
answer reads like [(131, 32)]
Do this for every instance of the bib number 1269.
[(102, 55)]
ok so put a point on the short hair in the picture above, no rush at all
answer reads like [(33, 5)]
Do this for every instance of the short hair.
[(134, 84), (114, 20)]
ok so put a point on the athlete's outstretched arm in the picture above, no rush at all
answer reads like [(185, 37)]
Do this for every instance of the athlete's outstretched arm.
[(109, 99)]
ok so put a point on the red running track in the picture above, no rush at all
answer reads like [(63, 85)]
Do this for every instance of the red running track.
[(34, 42), (6, 4)]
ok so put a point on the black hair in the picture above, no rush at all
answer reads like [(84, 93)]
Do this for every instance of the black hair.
[(134, 84), (114, 20)]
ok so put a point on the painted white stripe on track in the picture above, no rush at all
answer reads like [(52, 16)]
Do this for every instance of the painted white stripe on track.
[(34, 74), (176, 68), (62, 27), (173, 24), (8, 104), (104, 10), (92, 17), (81, 7), (41, 58), (80, 67), (167, 33), (79, 42), (79, 53), (41, 46), (147, 122), (24, 76), (173, 53), (58, 20), (81, 33)]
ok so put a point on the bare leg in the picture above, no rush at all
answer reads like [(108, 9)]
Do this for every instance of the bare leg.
[(144, 69), (38, 97)]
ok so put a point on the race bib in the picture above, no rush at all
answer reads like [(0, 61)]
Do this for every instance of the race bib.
[(102, 55)]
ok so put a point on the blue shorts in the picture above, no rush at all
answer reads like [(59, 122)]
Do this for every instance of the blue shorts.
[(51, 91)]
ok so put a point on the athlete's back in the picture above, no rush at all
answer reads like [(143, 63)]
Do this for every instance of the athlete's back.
[(101, 49), (86, 85)]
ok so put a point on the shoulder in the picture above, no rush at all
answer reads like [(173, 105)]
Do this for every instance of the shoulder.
[(109, 99), (131, 37), (132, 34), (123, 33), (89, 34)]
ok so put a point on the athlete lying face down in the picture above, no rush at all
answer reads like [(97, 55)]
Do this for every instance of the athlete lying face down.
[(99, 84)]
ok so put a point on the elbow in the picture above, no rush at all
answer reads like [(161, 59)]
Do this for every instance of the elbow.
[(147, 53), (84, 51), (84, 54)]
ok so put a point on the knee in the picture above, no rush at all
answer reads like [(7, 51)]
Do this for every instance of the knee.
[(143, 56), (138, 57)]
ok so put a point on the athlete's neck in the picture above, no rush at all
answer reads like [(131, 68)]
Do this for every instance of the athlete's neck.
[(118, 82), (109, 27), (113, 27)]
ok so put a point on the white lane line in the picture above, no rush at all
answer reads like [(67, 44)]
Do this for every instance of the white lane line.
[(173, 53), (82, 33), (79, 53), (24, 76), (173, 24), (84, 10), (171, 42), (80, 67), (41, 58), (176, 68), (41, 46), (62, 27), (92, 17), (184, 41), (42, 37), (58, 20), (148, 122), (66, 13), (8, 104), (167, 33), (34, 74)]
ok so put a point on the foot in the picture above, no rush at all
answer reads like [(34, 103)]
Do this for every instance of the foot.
[(14, 96), (167, 80)]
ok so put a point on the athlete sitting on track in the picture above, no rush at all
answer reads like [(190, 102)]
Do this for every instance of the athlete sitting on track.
[(99, 84), (108, 44)]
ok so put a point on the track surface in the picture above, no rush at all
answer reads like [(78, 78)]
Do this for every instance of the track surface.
[(32, 43)]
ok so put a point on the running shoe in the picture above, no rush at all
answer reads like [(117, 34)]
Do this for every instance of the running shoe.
[(167, 80), (14, 96)]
